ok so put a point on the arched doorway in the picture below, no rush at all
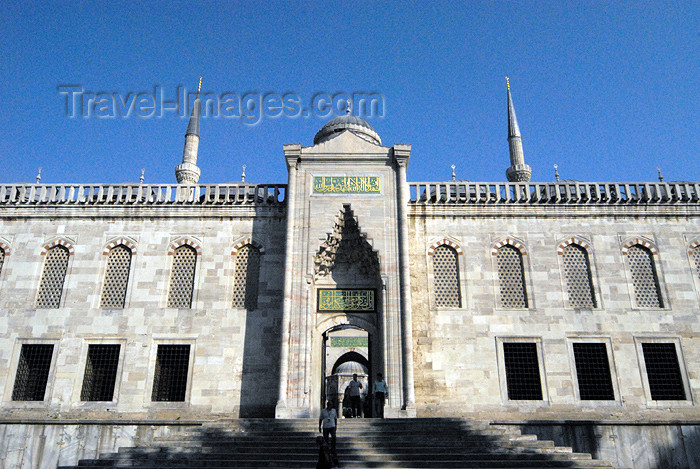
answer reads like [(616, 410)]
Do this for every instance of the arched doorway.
[(346, 351)]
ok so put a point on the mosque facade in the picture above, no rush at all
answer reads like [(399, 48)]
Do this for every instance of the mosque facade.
[(513, 302)]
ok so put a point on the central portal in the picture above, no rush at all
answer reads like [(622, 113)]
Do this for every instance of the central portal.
[(346, 353)]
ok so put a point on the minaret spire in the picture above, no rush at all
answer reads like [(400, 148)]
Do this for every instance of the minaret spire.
[(518, 170), (188, 172)]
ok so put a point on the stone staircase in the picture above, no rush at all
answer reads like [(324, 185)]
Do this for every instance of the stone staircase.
[(362, 443)]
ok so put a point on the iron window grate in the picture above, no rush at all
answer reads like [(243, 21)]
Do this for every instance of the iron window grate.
[(53, 277), (100, 372), (647, 291), (593, 372), (446, 277), (32, 372), (116, 277), (511, 277), (663, 372), (182, 277), (577, 272), (522, 371), (245, 289), (170, 380)]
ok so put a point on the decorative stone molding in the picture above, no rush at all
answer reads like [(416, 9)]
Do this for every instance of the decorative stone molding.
[(691, 247), (58, 242), (574, 240), (445, 242), (346, 244), (116, 242), (642, 242), (516, 244), (253, 242), (185, 240)]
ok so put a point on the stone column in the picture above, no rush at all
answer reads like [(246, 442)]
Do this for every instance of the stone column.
[(401, 155), (291, 153)]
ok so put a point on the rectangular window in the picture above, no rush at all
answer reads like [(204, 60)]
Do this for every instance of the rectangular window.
[(522, 371), (32, 372), (100, 372), (663, 372), (172, 366), (593, 372)]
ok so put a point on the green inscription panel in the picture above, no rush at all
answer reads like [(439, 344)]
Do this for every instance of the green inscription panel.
[(347, 185), (349, 342), (358, 301)]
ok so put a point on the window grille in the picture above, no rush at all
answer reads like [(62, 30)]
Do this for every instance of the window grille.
[(696, 259), (245, 283), (2, 258), (577, 272), (32, 372), (511, 276), (170, 380), (522, 371), (647, 292), (100, 372), (182, 277), (116, 277), (51, 284), (663, 372), (446, 277), (593, 372)]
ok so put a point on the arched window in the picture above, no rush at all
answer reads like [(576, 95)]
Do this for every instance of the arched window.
[(246, 278), (511, 277), (116, 277), (695, 256), (2, 258), (182, 277), (647, 292), (446, 277), (577, 273), (53, 277)]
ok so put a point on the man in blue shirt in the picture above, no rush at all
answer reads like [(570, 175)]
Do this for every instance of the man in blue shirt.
[(380, 390)]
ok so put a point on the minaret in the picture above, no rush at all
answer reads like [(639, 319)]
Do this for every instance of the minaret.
[(188, 172), (518, 171)]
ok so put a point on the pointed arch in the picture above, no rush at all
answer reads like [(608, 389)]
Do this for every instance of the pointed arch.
[(62, 242), (510, 270), (116, 278), (576, 269), (639, 241), (56, 256), (446, 242), (246, 275), (123, 240), (515, 243), (641, 263), (5, 247), (248, 241), (444, 255), (185, 241)]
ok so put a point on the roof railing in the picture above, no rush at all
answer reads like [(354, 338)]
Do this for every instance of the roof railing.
[(597, 193), (143, 194)]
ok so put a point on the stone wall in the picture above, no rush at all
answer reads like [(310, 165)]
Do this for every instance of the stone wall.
[(234, 353), (458, 367)]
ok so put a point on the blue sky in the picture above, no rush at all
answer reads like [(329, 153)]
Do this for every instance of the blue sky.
[(606, 91)]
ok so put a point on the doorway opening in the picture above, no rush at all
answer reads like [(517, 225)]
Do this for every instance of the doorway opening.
[(346, 352)]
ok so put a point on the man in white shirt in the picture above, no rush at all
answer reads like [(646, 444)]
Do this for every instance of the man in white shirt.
[(327, 423), (353, 389), (380, 390)]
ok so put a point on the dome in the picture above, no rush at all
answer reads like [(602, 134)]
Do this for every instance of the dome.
[(354, 124), (350, 368)]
